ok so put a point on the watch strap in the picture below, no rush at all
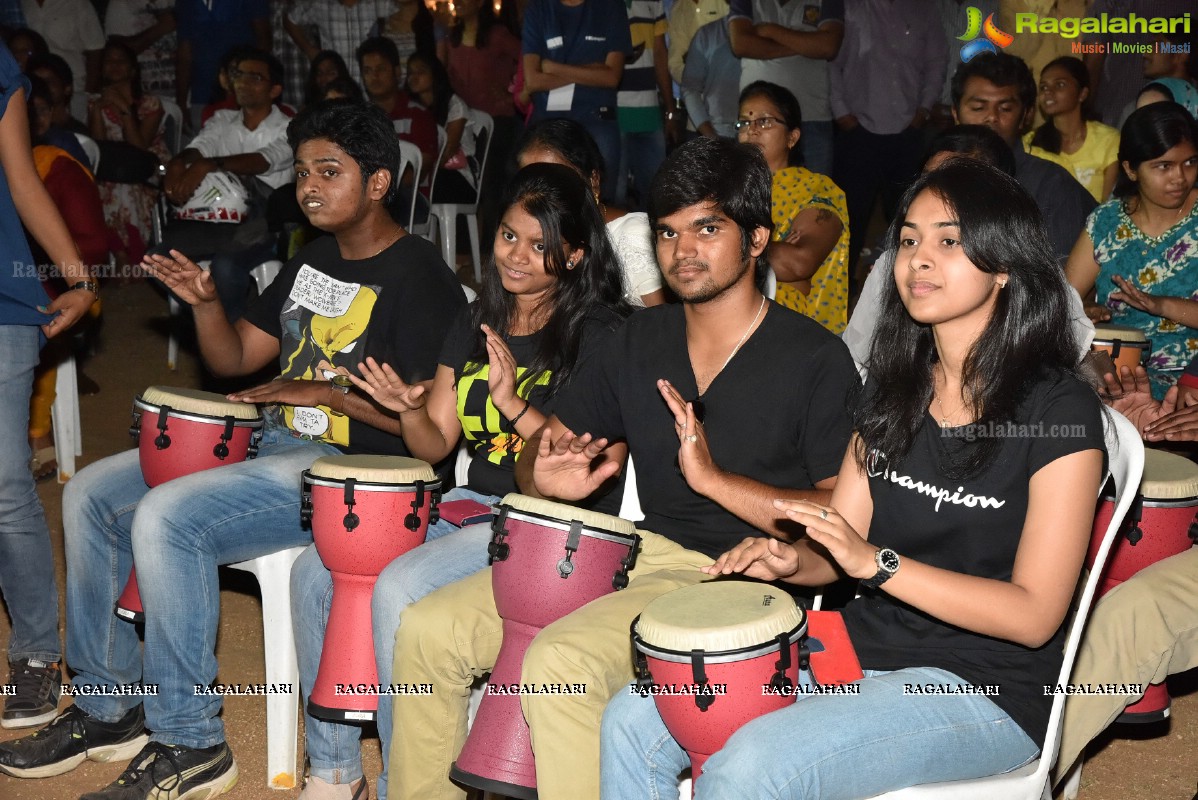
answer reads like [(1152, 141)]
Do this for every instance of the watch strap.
[(88, 285)]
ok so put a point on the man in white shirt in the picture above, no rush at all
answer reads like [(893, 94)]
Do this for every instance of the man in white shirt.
[(72, 29), (251, 144)]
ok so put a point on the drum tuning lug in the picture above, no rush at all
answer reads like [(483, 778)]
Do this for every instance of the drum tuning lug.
[(412, 521), (221, 451), (1134, 536), (350, 521), (619, 581), (498, 551), (565, 567), (162, 441)]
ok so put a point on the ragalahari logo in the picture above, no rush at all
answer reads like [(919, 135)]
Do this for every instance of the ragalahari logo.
[(981, 37)]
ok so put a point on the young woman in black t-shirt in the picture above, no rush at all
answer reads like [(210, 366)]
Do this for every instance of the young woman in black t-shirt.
[(551, 294), (964, 505)]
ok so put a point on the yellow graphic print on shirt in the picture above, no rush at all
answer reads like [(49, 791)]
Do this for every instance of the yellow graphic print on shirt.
[(794, 189), (488, 433), (325, 331)]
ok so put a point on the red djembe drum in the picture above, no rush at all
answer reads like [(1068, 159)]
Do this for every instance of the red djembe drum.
[(189, 431), (1158, 526), (715, 656), (549, 559), (1126, 346), (365, 512)]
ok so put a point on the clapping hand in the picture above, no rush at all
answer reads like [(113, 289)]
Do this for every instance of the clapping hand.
[(566, 469), (388, 389), (694, 456)]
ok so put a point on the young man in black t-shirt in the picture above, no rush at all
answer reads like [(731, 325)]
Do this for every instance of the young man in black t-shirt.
[(725, 402), (368, 290)]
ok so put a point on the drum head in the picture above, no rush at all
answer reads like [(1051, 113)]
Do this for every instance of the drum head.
[(193, 401), (565, 513), (1106, 332), (1168, 476), (373, 469), (718, 616)]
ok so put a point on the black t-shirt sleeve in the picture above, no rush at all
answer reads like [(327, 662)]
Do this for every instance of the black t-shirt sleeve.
[(458, 343), (266, 309), (828, 425), (423, 317), (1071, 421)]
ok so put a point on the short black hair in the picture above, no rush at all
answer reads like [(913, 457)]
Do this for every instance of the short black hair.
[(734, 176), (273, 65), (359, 128), (379, 45), (53, 63), (975, 141), (1001, 69)]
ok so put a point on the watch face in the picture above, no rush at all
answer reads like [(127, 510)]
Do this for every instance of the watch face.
[(888, 560), (341, 381)]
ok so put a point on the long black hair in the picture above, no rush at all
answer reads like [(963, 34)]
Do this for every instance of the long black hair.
[(1028, 333), (314, 94), (558, 198), (1149, 133), (442, 91), (1047, 137)]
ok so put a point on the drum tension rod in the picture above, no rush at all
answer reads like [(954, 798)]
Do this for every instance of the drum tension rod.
[(135, 427), (640, 664), (498, 549), (412, 520), (565, 567), (221, 451), (1134, 534), (704, 697), (350, 520), (780, 681), (162, 441), (620, 579)]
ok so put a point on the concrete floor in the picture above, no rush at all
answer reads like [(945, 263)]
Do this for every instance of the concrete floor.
[(1159, 762)]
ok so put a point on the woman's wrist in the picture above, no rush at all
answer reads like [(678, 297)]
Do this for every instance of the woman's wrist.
[(1181, 311)]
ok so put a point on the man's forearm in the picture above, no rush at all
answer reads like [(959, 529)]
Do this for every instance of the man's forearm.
[(752, 501)]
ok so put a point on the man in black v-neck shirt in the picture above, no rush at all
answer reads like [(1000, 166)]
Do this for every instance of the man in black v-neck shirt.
[(725, 402)]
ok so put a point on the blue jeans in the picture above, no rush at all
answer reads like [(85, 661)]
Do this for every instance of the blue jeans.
[(641, 154), (816, 144), (824, 746), (178, 532), (448, 555), (26, 560)]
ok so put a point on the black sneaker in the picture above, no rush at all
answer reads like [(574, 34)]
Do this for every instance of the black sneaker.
[(35, 702), (69, 740), (171, 772)]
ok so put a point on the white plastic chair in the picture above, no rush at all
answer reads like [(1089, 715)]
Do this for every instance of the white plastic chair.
[(410, 156), (172, 125), (90, 149), (64, 415), (483, 127), (771, 283), (273, 572), (1031, 782), (262, 274)]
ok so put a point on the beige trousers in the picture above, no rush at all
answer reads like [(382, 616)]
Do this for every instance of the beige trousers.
[(1140, 632), (453, 636)]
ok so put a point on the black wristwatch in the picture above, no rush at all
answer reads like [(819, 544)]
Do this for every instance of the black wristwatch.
[(88, 285), (888, 564)]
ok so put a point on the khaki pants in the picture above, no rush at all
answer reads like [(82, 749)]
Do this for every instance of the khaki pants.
[(453, 636), (1141, 632)]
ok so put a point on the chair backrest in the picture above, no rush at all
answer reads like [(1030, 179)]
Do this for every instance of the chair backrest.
[(91, 149), (771, 283), (409, 156), (483, 126), (1125, 453), (172, 125)]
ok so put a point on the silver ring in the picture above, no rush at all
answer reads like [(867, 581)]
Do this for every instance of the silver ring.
[(823, 513), (692, 438)]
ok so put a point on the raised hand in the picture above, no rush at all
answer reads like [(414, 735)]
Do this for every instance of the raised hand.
[(565, 469), (387, 388), (694, 456), (186, 279), (501, 377), (287, 392)]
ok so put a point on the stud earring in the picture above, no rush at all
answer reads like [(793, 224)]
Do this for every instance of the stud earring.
[(1002, 283)]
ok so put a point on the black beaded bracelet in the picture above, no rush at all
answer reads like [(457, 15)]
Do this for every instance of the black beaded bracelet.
[(523, 411)]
